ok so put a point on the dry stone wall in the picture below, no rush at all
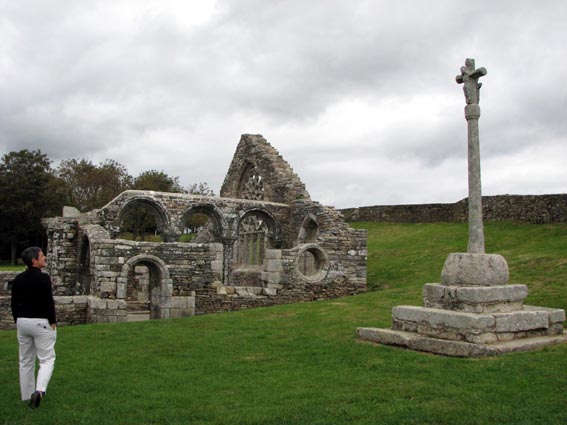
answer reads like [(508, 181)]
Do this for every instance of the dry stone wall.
[(536, 209)]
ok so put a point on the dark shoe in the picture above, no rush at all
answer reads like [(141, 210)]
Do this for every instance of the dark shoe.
[(35, 400)]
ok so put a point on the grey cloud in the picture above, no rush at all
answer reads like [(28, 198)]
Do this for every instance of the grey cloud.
[(84, 81)]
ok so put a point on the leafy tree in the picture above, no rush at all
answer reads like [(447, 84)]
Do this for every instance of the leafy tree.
[(92, 186), (56, 196), (25, 178), (158, 181)]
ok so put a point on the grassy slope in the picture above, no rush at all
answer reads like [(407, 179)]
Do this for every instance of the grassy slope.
[(301, 364), (405, 256)]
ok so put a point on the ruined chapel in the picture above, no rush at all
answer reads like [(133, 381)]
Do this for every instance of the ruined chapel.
[(262, 242)]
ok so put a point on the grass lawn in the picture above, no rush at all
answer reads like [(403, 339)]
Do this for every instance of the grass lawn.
[(302, 364), (7, 267)]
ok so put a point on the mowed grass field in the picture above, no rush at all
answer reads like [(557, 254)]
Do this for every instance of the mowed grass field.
[(302, 364)]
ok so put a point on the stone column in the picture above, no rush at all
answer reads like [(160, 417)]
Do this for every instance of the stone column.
[(469, 78), (476, 228)]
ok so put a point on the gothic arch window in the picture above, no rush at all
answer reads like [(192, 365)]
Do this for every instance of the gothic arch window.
[(309, 230), (254, 235), (251, 184)]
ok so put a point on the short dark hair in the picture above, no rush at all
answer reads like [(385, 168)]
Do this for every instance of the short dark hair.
[(29, 254)]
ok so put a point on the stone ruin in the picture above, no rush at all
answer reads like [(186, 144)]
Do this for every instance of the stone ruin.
[(473, 311), (262, 242)]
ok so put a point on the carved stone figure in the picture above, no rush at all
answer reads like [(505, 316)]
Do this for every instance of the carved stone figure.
[(469, 78)]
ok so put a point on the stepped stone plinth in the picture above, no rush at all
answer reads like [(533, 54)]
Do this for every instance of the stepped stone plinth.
[(473, 311)]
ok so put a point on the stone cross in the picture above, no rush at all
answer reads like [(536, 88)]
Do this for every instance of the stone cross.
[(469, 78)]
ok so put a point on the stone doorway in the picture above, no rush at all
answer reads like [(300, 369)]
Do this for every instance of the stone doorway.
[(146, 287)]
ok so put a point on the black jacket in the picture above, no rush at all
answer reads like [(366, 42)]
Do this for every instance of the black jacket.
[(32, 295)]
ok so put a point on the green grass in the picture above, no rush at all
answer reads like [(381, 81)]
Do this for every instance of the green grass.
[(147, 238), (302, 364), (7, 267)]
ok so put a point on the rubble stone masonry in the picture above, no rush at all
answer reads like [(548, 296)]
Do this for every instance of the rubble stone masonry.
[(536, 209)]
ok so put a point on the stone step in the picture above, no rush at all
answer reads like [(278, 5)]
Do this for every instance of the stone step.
[(445, 347), (477, 328), (138, 316), (475, 299)]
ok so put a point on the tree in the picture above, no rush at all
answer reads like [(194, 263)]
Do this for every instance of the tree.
[(92, 186), (158, 181), (24, 181), (56, 196), (201, 188)]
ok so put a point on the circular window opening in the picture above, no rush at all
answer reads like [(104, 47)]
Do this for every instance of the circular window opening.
[(312, 263)]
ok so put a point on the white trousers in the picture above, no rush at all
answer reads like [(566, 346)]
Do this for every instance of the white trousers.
[(36, 338)]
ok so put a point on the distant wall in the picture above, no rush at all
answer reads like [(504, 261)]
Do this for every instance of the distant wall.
[(537, 209)]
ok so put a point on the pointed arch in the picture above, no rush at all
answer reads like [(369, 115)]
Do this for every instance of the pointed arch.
[(309, 229), (250, 183), (257, 231)]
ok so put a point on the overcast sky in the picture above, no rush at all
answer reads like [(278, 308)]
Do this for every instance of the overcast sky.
[(358, 96)]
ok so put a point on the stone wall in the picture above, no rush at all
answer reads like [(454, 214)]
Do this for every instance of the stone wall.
[(536, 209), (6, 320), (70, 310)]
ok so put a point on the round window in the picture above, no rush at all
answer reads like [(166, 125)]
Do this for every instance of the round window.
[(312, 263)]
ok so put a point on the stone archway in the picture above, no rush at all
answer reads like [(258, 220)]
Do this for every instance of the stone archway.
[(145, 285), (204, 222), (139, 210)]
